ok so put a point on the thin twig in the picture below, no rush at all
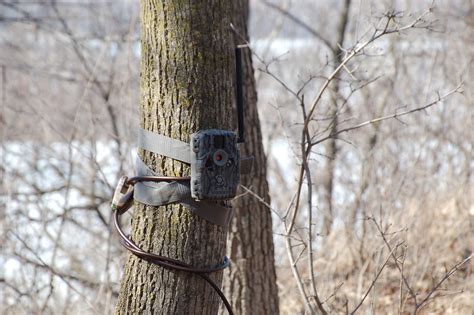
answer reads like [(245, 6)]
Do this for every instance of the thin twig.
[(448, 275), (395, 259), (375, 279), (300, 23), (392, 116)]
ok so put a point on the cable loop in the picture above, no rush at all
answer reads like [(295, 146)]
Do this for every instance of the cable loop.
[(122, 202)]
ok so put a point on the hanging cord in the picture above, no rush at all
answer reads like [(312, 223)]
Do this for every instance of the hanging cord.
[(126, 202)]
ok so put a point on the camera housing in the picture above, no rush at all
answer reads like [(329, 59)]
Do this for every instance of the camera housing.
[(215, 164)]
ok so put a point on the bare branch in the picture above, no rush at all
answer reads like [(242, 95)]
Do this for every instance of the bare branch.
[(372, 284), (300, 23), (440, 98)]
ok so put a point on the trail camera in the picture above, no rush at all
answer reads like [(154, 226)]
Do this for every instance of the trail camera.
[(215, 164), (213, 154)]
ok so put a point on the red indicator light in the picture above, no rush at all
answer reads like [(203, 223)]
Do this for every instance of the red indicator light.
[(218, 157)]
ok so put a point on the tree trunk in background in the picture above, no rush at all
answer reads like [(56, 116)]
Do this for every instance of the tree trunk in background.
[(329, 172), (187, 68), (250, 282)]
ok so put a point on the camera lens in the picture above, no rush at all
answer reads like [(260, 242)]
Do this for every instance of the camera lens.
[(220, 157)]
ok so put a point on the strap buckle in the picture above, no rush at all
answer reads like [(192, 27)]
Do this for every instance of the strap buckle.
[(122, 196)]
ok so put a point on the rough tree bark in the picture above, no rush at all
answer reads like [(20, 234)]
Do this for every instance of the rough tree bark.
[(250, 281), (186, 85)]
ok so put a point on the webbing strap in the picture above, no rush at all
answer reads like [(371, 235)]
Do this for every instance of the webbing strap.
[(162, 193), (154, 142), (178, 150)]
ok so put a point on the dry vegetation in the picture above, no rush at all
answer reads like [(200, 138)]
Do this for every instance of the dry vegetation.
[(426, 248), (370, 163)]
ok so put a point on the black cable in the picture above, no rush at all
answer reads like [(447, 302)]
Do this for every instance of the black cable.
[(239, 93), (166, 262)]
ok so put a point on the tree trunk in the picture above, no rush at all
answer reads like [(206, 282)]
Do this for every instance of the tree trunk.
[(186, 85), (329, 172), (250, 281)]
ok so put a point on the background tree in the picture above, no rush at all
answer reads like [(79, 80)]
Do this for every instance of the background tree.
[(250, 281)]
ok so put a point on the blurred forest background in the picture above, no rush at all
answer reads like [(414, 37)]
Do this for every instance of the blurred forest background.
[(382, 222)]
